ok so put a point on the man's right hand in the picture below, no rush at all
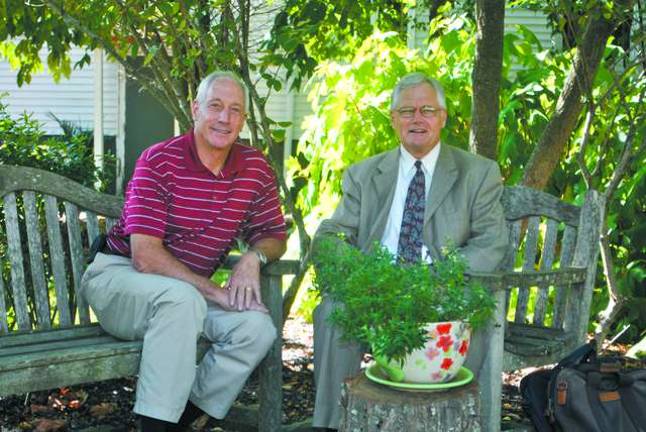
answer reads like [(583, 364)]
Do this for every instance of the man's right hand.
[(220, 296)]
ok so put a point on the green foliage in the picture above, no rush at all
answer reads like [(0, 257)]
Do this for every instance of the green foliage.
[(22, 142), (351, 102), (386, 305), (351, 122), (307, 32)]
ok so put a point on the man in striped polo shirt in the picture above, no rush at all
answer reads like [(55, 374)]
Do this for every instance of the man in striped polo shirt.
[(189, 198)]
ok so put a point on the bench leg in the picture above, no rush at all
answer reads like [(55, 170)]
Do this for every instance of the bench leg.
[(271, 368), (491, 373)]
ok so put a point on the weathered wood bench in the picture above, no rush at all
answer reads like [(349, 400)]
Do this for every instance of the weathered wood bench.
[(47, 335), (544, 290)]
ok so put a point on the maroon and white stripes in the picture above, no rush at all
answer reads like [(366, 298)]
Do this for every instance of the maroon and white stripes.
[(198, 215)]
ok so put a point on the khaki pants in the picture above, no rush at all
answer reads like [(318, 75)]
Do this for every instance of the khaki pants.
[(169, 315), (335, 360)]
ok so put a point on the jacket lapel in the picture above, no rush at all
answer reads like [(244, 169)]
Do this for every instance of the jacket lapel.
[(444, 177), (384, 182)]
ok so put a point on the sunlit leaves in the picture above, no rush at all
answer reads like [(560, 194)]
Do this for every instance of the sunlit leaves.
[(351, 101)]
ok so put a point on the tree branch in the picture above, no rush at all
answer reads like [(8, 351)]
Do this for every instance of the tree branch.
[(487, 69), (549, 149), (144, 80), (580, 157)]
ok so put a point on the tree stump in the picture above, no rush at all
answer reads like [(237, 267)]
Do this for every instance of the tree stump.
[(372, 407)]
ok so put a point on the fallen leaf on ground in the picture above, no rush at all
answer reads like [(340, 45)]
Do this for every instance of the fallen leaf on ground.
[(81, 396), (47, 425), (56, 403), (102, 409), (25, 425)]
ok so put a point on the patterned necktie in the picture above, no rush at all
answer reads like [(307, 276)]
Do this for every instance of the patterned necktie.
[(409, 249)]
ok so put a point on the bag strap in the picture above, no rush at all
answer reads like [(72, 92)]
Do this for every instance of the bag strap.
[(582, 354)]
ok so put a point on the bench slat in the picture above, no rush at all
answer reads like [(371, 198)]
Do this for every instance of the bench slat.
[(76, 256), (567, 246), (92, 226), (22, 178), (567, 253), (42, 336), (57, 257), (547, 259), (14, 250), (520, 202), (36, 266), (529, 260), (510, 257), (4, 326), (533, 332), (71, 343), (564, 276), (50, 368), (109, 223)]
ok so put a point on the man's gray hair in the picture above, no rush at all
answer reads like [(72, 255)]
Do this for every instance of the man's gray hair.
[(208, 80), (414, 79)]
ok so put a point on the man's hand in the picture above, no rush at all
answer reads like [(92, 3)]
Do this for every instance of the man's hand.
[(217, 295), (150, 256), (244, 284)]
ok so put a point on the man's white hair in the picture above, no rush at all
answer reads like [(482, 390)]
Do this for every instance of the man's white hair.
[(414, 79), (208, 80)]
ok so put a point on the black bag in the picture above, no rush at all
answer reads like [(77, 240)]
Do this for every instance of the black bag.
[(587, 393)]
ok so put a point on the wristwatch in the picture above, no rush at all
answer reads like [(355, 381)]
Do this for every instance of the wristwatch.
[(260, 254)]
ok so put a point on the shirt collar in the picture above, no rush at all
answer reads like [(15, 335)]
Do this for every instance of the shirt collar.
[(407, 161), (233, 164)]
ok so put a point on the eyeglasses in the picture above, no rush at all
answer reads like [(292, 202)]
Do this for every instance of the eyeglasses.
[(427, 111)]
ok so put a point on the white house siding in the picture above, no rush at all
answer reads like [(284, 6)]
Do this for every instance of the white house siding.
[(535, 21), (70, 99)]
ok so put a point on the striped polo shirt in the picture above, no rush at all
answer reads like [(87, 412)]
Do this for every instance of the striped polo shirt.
[(196, 213)]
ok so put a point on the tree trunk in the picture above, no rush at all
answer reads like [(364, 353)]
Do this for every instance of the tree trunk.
[(490, 18), (371, 407), (548, 151)]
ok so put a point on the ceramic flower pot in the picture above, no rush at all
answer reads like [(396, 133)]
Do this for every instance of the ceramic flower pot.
[(438, 361)]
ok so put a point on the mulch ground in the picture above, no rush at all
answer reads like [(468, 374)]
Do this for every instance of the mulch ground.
[(107, 406)]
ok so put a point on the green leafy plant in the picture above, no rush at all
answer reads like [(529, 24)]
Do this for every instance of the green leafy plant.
[(386, 305)]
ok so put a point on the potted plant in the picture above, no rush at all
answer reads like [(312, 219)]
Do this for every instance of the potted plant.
[(416, 318)]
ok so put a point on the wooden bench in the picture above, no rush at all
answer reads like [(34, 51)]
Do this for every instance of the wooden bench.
[(48, 337), (544, 289)]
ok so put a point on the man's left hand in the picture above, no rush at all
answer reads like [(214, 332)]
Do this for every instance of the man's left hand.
[(244, 284)]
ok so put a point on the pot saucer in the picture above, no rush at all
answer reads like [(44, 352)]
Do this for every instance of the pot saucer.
[(463, 377)]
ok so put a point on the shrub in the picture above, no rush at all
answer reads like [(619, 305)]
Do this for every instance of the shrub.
[(23, 142)]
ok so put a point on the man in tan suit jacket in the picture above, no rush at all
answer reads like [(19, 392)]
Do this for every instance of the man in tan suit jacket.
[(462, 207)]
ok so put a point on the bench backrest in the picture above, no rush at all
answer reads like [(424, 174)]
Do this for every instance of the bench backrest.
[(547, 234), (49, 222)]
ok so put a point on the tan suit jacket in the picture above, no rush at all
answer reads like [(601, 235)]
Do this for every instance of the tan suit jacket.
[(463, 206)]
